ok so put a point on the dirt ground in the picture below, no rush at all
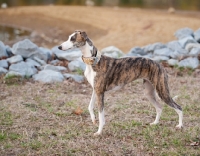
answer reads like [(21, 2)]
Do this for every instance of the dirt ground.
[(121, 27)]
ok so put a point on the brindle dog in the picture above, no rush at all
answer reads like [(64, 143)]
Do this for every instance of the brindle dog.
[(105, 73)]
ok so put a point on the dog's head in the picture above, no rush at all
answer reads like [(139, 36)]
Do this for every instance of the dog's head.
[(75, 40)]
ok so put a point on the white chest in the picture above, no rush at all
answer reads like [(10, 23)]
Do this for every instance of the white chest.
[(90, 74)]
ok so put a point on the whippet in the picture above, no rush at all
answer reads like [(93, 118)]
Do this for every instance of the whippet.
[(104, 73)]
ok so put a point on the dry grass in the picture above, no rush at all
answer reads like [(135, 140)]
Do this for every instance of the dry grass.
[(38, 119)]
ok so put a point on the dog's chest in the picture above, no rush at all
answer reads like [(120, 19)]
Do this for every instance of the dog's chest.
[(90, 74)]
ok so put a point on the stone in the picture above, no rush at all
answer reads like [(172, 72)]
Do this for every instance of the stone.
[(136, 50), (174, 45), (48, 76), (76, 65), (15, 59), (3, 71), (4, 63), (9, 51), (191, 62), (32, 63), (69, 55), (54, 62), (160, 58), (197, 35), (177, 54), (186, 40), (190, 46), (172, 62), (76, 78), (112, 51), (195, 52), (184, 32), (152, 47), (163, 52), (47, 52), (13, 73), (41, 62), (54, 68), (28, 49), (3, 52), (23, 68), (149, 56)]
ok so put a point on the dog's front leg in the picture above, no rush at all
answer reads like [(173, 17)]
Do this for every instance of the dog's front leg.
[(100, 99), (91, 107)]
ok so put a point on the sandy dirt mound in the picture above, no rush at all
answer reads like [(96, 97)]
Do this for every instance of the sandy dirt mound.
[(123, 28)]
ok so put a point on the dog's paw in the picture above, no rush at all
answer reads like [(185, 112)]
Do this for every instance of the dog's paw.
[(153, 123), (179, 126), (97, 134), (94, 122)]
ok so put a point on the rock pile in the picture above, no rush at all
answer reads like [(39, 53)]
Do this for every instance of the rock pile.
[(26, 59)]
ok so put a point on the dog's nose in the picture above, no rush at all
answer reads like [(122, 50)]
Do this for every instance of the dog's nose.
[(60, 47)]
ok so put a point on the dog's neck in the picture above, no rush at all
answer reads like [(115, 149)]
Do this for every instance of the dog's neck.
[(89, 50)]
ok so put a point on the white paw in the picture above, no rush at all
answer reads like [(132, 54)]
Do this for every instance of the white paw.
[(179, 126), (154, 123), (97, 134)]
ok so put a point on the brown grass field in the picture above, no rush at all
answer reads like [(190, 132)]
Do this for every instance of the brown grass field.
[(52, 119)]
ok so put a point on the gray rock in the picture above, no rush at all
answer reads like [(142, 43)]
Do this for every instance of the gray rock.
[(15, 59), (184, 41), (177, 54), (3, 52), (197, 35), (3, 71), (191, 62), (54, 68), (76, 78), (184, 32), (41, 62), (32, 63), (9, 51), (48, 76), (54, 62), (132, 55), (4, 63), (149, 55), (69, 55), (152, 47), (174, 45), (28, 49), (172, 62), (46, 52), (112, 51), (160, 58), (163, 52), (190, 46), (76, 65), (23, 68), (195, 52), (13, 73), (136, 50)]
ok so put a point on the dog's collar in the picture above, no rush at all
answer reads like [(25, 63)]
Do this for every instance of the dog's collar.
[(92, 60)]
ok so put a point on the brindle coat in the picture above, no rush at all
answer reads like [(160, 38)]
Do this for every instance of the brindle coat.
[(110, 72)]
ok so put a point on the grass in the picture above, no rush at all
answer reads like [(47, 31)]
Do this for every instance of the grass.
[(38, 119)]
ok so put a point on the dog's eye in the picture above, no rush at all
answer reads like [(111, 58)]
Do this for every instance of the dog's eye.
[(73, 38)]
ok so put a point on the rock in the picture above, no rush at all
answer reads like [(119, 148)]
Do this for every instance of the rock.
[(4, 63), (177, 54), (9, 51), (13, 73), (191, 62), (195, 52), (189, 39), (149, 55), (112, 51), (136, 50), (131, 55), (163, 52), (160, 58), (197, 35), (174, 45), (28, 49), (69, 55), (76, 65), (152, 47), (15, 59), (184, 32), (32, 63), (76, 78), (23, 68), (189, 46), (3, 53), (54, 62), (48, 76), (46, 52), (54, 68), (41, 62), (172, 62), (3, 71)]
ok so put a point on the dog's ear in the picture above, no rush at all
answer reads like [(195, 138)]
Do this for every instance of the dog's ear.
[(84, 35)]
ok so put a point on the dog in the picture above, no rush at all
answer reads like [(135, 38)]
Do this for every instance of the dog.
[(105, 73)]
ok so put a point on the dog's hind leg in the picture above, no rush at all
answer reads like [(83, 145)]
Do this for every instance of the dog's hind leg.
[(100, 100), (91, 107), (150, 94)]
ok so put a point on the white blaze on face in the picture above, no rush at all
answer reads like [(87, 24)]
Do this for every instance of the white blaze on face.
[(68, 44)]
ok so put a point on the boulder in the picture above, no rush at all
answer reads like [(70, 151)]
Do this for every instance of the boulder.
[(28, 49), (3, 71), (54, 62), (112, 51), (46, 52), (76, 65), (23, 68), (48, 76), (4, 63), (15, 59), (160, 58), (190, 46), (195, 52), (69, 55), (41, 62), (197, 35), (186, 40), (177, 54), (9, 51), (172, 62), (3, 52), (174, 45), (13, 73), (136, 50), (54, 68), (184, 32), (163, 52), (191, 62), (32, 63), (152, 47), (76, 78)]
